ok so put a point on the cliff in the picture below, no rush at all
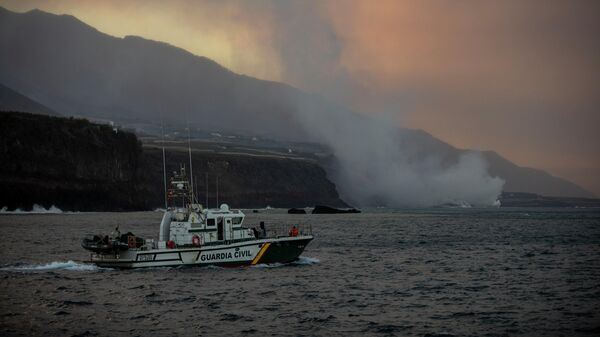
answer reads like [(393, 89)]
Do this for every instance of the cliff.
[(244, 181), (78, 165)]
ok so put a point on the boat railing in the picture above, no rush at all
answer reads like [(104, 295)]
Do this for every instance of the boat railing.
[(284, 230)]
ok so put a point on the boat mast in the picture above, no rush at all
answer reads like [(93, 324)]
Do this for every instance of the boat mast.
[(196, 189), (206, 189), (164, 165), (217, 191), (191, 169)]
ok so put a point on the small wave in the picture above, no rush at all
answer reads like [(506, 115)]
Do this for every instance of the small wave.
[(36, 209), (270, 265), (307, 260), (302, 261), (456, 204), (69, 265), (212, 266)]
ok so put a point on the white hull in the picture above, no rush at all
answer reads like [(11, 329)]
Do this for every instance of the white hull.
[(284, 249)]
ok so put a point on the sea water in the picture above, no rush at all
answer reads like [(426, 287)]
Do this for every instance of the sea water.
[(436, 272)]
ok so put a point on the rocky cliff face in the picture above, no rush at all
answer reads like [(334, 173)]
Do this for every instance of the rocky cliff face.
[(243, 181), (78, 165), (68, 162)]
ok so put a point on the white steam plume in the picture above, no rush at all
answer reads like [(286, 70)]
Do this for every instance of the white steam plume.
[(375, 168)]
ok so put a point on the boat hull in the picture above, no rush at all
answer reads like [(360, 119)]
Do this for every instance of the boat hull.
[(264, 251)]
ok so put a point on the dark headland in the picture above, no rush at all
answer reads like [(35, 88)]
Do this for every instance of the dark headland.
[(78, 165)]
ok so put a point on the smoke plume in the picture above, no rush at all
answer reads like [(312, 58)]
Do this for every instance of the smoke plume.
[(379, 164)]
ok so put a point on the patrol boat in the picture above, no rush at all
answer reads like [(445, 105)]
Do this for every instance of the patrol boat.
[(191, 235)]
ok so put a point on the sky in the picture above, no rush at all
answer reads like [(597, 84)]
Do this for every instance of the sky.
[(521, 77)]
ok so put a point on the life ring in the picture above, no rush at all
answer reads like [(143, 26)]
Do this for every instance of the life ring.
[(131, 241), (196, 241)]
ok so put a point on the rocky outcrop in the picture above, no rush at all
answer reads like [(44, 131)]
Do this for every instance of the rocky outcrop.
[(66, 162), (320, 209), (296, 211), (243, 181)]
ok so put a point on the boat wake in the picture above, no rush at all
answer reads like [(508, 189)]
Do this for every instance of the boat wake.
[(302, 261), (55, 265), (305, 260), (75, 266)]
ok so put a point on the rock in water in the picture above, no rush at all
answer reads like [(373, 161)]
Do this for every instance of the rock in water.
[(319, 209), (296, 211)]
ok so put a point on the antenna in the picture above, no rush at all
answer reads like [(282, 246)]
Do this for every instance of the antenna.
[(206, 184), (196, 188), (217, 191), (164, 164), (191, 169)]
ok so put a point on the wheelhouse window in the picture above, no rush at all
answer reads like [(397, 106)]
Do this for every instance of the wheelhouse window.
[(210, 222), (236, 220)]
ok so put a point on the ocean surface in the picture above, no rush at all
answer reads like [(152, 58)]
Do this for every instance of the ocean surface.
[(439, 272)]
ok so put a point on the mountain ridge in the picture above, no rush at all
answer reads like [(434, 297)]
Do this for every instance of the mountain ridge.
[(137, 81), (11, 100)]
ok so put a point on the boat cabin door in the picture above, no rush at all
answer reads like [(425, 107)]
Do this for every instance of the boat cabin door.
[(228, 229), (220, 228)]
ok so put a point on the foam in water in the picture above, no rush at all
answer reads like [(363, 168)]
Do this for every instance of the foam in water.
[(56, 265), (307, 260), (302, 260), (264, 265), (36, 209)]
